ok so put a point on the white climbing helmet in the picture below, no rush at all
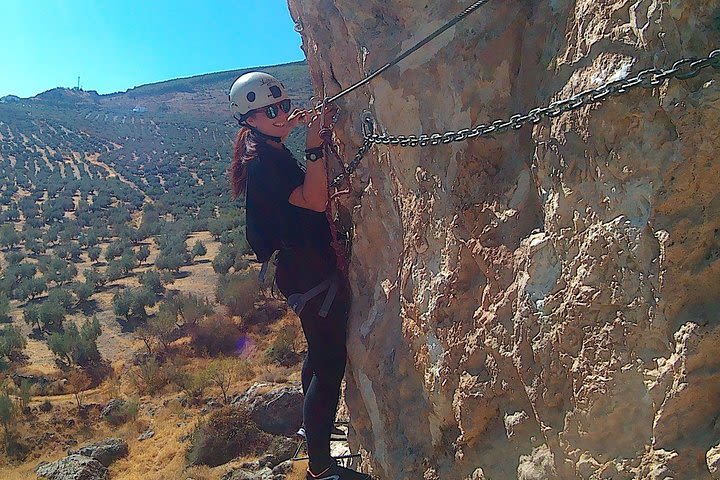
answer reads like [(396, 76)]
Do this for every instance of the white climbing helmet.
[(255, 90)]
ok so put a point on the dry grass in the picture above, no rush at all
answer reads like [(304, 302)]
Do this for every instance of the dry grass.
[(158, 458), (163, 455)]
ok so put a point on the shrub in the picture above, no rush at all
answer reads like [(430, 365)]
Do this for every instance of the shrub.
[(14, 258), (95, 278), (114, 270), (192, 308), (224, 372), (31, 315), (152, 376), (57, 270), (163, 325), (8, 236), (151, 280), (239, 292), (228, 433), (114, 250), (268, 312), (131, 303), (77, 346), (12, 342), (51, 315), (282, 349), (223, 261), (194, 383), (4, 308), (127, 411), (30, 288), (143, 253), (127, 262), (214, 335), (25, 393), (94, 253), (198, 249), (78, 381), (7, 412), (241, 263), (83, 291), (60, 296), (169, 261)]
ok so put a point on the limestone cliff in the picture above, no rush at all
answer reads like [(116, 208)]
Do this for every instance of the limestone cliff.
[(542, 304)]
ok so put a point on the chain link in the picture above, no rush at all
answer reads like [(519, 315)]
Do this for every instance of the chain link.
[(352, 166), (652, 77), (682, 70)]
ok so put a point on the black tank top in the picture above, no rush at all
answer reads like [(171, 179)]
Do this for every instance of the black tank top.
[(272, 223)]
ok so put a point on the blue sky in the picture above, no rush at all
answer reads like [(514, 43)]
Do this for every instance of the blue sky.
[(115, 45)]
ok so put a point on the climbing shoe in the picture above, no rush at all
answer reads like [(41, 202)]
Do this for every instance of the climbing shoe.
[(336, 472), (336, 435)]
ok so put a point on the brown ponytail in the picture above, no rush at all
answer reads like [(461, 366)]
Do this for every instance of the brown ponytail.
[(245, 150)]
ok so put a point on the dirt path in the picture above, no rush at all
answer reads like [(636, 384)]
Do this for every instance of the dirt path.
[(92, 158), (74, 167)]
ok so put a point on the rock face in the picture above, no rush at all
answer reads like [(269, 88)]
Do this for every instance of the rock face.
[(542, 304)]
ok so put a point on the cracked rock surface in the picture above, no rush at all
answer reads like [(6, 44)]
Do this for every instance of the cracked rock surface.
[(542, 304)]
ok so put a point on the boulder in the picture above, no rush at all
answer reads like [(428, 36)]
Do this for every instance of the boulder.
[(277, 410), (282, 449), (113, 407), (73, 467), (243, 474), (106, 451), (713, 461)]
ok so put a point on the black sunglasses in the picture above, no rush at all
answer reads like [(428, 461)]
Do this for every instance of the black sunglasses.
[(272, 111)]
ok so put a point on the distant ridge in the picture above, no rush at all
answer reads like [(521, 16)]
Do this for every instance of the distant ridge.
[(212, 78), (198, 95)]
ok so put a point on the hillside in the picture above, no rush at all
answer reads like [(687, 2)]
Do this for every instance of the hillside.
[(124, 271)]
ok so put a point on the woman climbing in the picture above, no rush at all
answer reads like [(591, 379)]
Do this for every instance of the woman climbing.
[(285, 208)]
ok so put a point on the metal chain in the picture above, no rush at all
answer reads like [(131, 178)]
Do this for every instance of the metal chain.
[(352, 166), (683, 69), (652, 77)]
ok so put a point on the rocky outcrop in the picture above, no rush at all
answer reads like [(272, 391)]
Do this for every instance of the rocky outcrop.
[(106, 451), (276, 409), (73, 467), (541, 304)]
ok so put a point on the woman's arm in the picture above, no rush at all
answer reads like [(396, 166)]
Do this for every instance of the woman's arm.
[(313, 193)]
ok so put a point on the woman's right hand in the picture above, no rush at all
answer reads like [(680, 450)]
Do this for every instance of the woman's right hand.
[(316, 125), (298, 117)]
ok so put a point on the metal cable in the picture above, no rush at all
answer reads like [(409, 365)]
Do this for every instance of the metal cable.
[(411, 50)]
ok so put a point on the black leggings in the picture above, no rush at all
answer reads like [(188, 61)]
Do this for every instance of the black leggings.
[(324, 365)]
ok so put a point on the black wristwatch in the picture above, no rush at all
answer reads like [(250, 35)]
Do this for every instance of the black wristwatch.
[(313, 154)]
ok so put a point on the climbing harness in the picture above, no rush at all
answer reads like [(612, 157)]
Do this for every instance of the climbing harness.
[(297, 301)]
